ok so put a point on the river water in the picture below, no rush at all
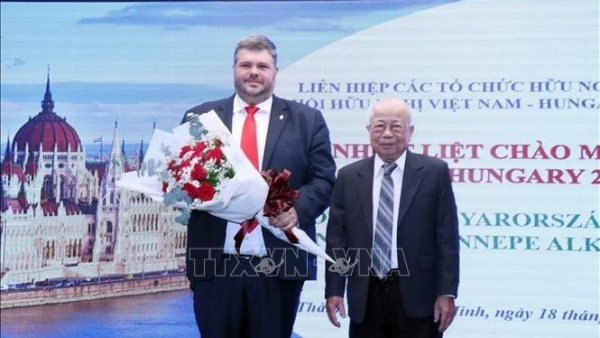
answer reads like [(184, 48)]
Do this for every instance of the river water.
[(159, 315), (167, 314)]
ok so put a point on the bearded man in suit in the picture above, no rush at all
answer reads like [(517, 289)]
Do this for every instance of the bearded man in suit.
[(231, 297)]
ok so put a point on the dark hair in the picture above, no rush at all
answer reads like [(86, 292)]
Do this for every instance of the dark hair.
[(256, 43)]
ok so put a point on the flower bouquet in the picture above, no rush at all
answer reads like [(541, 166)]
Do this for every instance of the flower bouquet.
[(197, 167)]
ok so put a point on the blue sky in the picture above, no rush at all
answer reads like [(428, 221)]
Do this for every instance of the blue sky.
[(147, 62)]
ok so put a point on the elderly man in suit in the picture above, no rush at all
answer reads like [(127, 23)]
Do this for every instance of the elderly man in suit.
[(393, 231), (231, 297)]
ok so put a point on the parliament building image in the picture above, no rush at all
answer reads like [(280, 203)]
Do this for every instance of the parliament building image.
[(64, 222)]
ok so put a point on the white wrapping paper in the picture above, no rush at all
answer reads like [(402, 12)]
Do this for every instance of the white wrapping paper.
[(240, 198)]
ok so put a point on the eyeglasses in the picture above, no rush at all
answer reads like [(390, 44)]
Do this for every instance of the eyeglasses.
[(380, 128)]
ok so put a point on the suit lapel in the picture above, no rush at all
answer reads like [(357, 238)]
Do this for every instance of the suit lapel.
[(277, 121), (225, 112), (410, 183), (364, 191)]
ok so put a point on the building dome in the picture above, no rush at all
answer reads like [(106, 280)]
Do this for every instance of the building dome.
[(47, 130)]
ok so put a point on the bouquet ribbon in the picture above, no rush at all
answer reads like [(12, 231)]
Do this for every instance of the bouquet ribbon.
[(280, 199)]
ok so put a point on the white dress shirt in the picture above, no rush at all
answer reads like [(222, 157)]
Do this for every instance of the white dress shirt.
[(253, 243), (397, 176)]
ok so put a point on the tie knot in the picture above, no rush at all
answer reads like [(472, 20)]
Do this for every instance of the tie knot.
[(388, 168), (251, 110)]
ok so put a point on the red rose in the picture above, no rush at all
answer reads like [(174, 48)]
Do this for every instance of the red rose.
[(198, 173), (191, 190), (216, 154), (199, 148), (206, 192), (184, 150), (186, 163)]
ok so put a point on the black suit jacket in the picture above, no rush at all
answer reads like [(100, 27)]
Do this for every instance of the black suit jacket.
[(297, 140), (428, 244)]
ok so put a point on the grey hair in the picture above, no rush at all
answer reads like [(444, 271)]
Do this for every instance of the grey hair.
[(373, 103), (369, 111), (256, 43)]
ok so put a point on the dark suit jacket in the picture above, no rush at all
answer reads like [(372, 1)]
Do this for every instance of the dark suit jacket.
[(297, 140), (427, 234)]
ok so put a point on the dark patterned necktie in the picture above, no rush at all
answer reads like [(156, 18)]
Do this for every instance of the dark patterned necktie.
[(382, 243)]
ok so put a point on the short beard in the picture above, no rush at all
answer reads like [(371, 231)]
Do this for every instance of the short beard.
[(252, 98)]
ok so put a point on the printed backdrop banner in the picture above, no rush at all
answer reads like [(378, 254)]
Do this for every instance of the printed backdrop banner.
[(504, 95), (507, 92)]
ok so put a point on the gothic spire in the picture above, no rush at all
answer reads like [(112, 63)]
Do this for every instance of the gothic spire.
[(141, 154), (48, 104), (7, 155)]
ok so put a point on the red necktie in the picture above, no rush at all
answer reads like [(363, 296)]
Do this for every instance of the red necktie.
[(250, 148), (249, 141)]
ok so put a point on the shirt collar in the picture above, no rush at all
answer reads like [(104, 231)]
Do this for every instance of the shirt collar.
[(400, 161), (239, 104)]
